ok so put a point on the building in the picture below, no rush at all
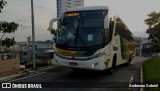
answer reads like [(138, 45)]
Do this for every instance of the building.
[(146, 49), (142, 46), (63, 5), (40, 45), (25, 50), (44, 45)]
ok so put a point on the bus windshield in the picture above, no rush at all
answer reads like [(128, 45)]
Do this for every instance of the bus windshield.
[(81, 29)]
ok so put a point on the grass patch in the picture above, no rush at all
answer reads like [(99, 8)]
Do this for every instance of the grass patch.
[(151, 72)]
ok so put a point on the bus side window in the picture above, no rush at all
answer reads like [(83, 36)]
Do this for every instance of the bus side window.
[(111, 24)]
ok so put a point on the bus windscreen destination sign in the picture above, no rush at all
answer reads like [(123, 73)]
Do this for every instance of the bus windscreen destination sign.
[(72, 14)]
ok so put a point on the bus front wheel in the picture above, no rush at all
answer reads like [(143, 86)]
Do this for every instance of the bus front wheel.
[(113, 64), (75, 69), (129, 61)]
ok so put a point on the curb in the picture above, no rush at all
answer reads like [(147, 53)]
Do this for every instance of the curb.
[(40, 69), (26, 72), (141, 89), (4, 79)]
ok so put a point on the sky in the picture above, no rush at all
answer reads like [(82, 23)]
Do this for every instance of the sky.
[(132, 12)]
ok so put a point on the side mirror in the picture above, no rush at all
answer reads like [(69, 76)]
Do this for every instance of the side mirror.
[(106, 22), (53, 31)]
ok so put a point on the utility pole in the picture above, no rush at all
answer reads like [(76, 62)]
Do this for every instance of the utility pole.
[(33, 35)]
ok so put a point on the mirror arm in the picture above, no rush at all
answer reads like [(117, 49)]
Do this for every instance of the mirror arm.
[(51, 23)]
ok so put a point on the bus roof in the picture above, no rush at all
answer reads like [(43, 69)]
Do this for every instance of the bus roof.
[(88, 8)]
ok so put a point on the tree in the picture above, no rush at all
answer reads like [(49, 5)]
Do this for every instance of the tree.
[(6, 27), (2, 4), (153, 23), (8, 42), (153, 30)]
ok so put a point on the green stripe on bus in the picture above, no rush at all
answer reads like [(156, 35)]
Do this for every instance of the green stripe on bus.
[(123, 47), (85, 53)]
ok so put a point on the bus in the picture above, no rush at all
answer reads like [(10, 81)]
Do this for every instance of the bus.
[(91, 38)]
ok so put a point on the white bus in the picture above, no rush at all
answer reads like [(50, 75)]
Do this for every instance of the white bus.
[(89, 38)]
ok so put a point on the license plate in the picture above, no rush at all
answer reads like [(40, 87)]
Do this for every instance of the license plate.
[(73, 64)]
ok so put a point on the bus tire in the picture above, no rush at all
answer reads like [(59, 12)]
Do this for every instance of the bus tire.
[(111, 70), (75, 70), (113, 64), (129, 61)]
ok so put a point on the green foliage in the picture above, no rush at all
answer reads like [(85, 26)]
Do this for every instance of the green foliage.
[(153, 23), (153, 30), (6, 27), (153, 20), (8, 42), (2, 4), (151, 72), (155, 47)]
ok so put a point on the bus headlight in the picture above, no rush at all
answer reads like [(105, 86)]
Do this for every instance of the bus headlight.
[(97, 55), (95, 64)]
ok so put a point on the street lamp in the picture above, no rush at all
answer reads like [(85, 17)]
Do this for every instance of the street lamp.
[(33, 36)]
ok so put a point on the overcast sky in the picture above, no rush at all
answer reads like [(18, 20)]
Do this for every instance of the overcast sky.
[(132, 12)]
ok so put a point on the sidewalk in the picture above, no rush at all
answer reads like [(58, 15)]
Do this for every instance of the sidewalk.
[(26, 72)]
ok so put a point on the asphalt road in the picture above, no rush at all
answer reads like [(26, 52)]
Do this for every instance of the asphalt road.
[(63, 77)]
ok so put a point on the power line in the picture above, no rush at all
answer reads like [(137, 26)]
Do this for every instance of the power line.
[(28, 27)]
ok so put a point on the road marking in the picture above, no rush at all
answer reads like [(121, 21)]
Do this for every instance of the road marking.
[(131, 79), (27, 77), (5, 57), (141, 78)]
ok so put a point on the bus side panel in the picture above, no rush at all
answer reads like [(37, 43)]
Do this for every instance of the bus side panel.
[(119, 43), (126, 49), (107, 58), (129, 50)]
